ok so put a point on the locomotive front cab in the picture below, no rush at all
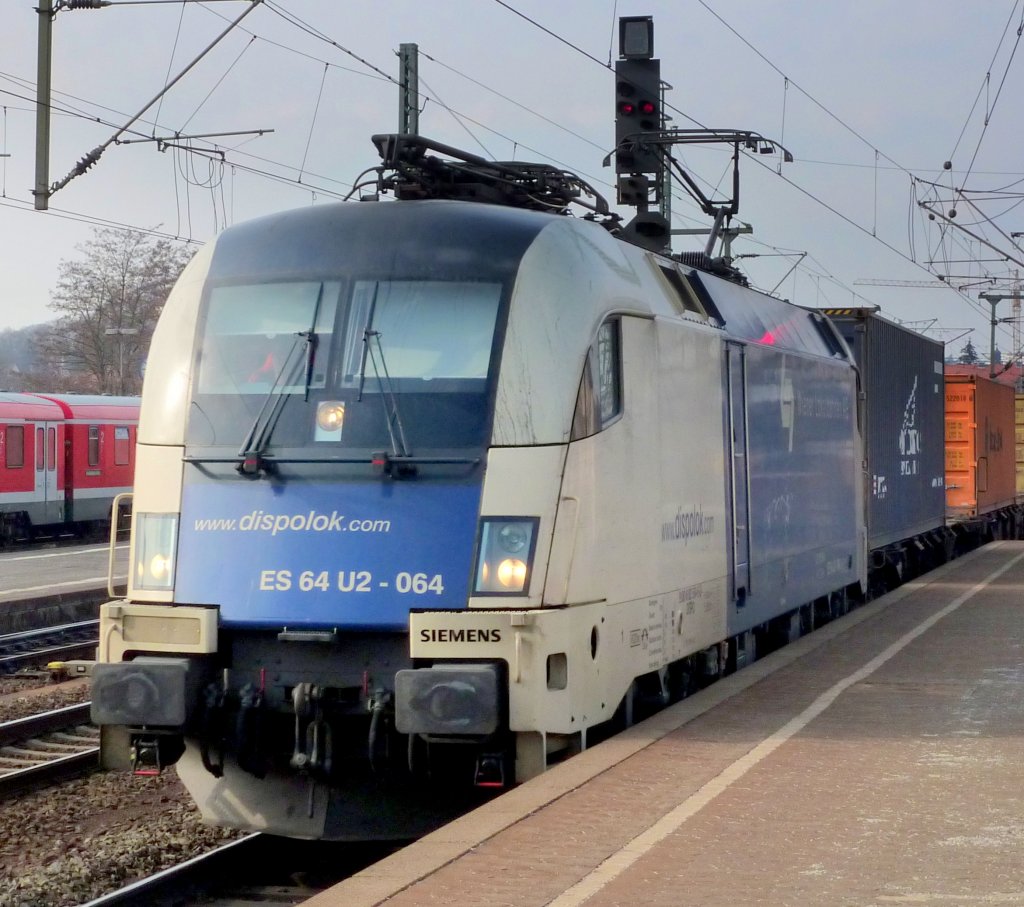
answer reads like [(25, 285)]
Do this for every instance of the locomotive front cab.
[(313, 445)]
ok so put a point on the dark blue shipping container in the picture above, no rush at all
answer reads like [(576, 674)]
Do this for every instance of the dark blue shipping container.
[(903, 421)]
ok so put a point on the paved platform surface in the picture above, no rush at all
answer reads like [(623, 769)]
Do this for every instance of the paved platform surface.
[(51, 571), (878, 761)]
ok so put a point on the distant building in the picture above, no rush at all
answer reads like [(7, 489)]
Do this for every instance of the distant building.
[(1012, 374)]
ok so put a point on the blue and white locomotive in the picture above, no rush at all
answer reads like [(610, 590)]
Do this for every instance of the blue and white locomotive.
[(429, 492)]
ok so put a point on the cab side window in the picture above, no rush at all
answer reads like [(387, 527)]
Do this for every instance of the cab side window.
[(599, 402)]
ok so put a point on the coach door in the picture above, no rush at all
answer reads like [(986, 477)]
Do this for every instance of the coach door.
[(739, 494), (47, 491)]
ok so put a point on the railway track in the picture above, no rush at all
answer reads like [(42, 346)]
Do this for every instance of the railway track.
[(46, 748), (256, 869), (37, 647)]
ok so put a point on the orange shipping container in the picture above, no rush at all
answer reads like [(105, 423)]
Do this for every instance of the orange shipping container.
[(1019, 443), (980, 446)]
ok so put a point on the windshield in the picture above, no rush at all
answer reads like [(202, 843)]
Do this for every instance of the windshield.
[(250, 335), (371, 352), (426, 330)]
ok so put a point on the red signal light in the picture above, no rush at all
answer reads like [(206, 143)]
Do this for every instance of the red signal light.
[(647, 108), (627, 108)]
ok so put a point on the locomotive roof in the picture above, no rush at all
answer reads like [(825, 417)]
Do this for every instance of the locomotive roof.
[(425, 236)]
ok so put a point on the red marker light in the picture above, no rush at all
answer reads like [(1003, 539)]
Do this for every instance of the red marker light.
[(768, 338)]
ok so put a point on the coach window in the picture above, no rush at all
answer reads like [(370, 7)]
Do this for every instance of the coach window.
[(15, 446), (40, 450), (121, 447), (94, 445), (51, 449), (599, 402)]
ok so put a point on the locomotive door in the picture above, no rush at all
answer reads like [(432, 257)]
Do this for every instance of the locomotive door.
[(48, 494), (739, 489)]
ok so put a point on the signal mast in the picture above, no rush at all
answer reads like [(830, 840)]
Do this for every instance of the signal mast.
[(644, 164)]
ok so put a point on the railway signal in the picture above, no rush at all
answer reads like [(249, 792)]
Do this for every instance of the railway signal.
[(637, 97)]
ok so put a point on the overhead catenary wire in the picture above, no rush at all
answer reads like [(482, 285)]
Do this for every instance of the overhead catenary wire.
[(86, 162), (846, 126), (170, 62), (831, 208), (303, 175), (312, 122)]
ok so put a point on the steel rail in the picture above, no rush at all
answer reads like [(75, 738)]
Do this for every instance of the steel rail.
[(46, 766)]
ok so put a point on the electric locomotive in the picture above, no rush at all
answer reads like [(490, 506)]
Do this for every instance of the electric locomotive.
[(430, 491)]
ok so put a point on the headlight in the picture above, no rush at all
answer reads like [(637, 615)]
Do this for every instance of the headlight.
[(505, 555), (156, 536), (330, 417)]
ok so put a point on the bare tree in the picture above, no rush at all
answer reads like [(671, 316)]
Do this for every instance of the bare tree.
[(108, 303)]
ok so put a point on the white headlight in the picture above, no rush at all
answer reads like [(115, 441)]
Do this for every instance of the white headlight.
[(330, 415), (505, 555), (156, 537)]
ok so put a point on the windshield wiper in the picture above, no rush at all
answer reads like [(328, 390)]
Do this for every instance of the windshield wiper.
[(251, 461), (398, 461), (250, 454)]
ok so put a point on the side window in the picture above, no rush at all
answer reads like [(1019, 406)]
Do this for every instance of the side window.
[(40, 450), (94, 445), (51, 449), (15, 446), (600, 396), (121, 446)]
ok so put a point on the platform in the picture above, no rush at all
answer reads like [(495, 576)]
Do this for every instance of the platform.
[(48, 586), (48, 571), (877, 761)]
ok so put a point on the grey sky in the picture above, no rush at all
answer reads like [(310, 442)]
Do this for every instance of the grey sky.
[(863, 93)]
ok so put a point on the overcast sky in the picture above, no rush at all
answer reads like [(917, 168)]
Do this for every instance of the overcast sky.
[(867, 96)]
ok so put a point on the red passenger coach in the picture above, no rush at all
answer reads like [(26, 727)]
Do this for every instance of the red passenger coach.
[(63, 458)]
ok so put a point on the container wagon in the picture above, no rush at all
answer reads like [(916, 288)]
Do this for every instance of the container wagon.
[(980, 455), (902, 415), (1019, 443)]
